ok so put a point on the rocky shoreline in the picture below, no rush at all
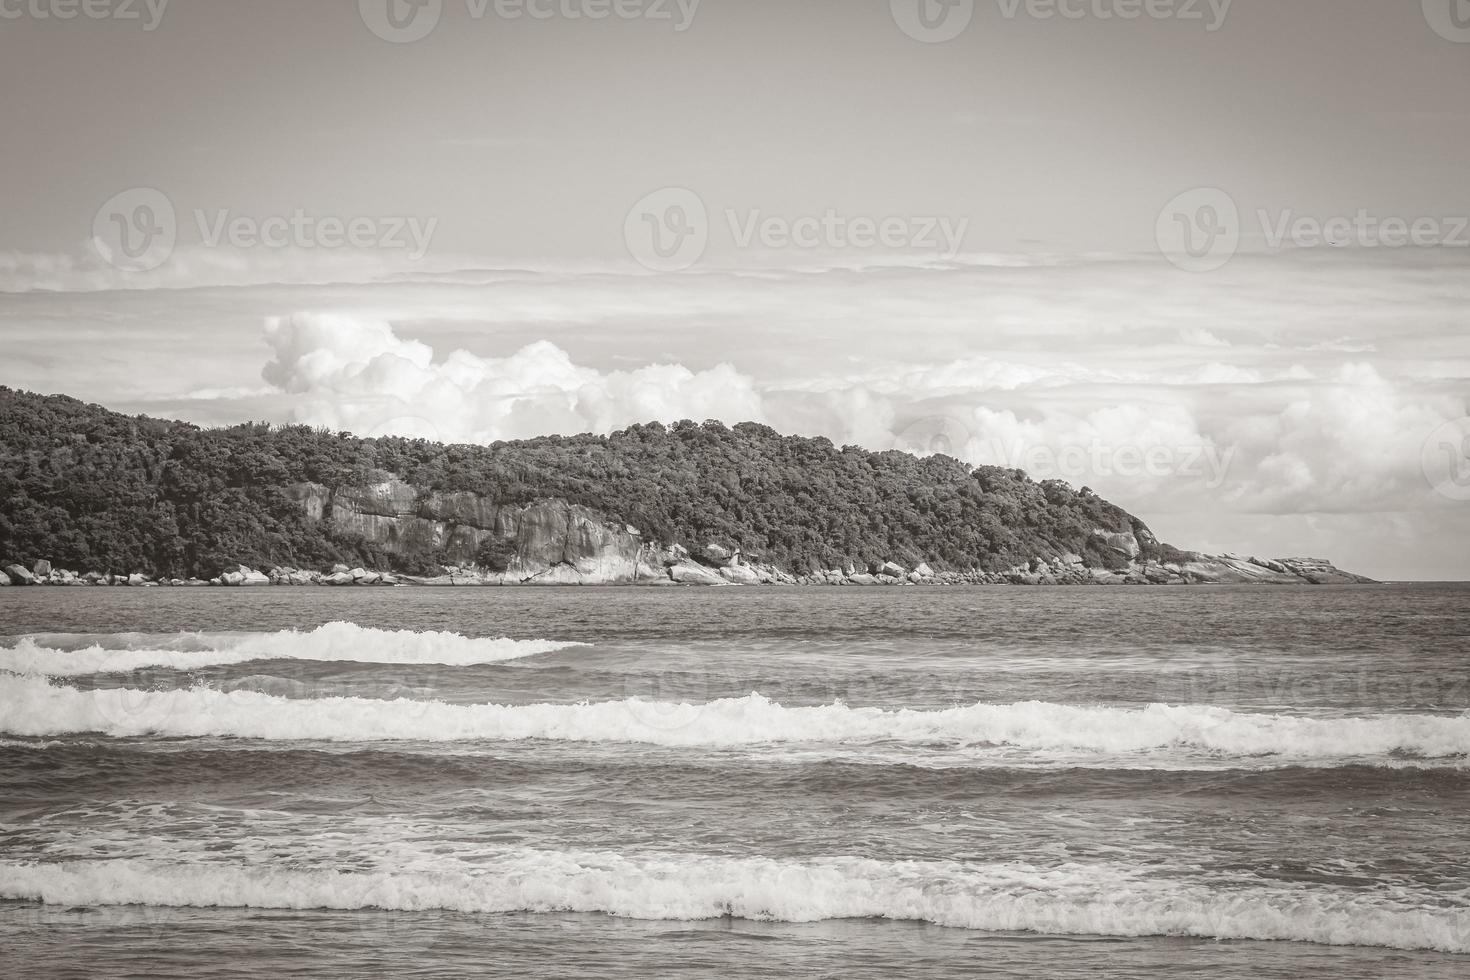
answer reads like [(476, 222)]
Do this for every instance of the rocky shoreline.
[(717, 566)]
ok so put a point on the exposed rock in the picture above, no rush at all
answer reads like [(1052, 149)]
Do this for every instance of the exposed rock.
[(1124, 543), (338, 578), (922, 570), (42, 568), (740, 575), (892, 570), (4, 579), (716, 554), (137, 579), (19, 575), (691, 574), (863, 578)]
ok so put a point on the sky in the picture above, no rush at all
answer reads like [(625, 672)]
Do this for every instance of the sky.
[(1209, 258)]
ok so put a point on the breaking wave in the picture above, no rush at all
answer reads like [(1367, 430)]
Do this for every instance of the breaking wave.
[(72, 655), (35, 707), (1070, 899)]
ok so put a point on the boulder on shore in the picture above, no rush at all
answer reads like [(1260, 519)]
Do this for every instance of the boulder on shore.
[(690, 574), (19, 575), (42, 569), (740, 575)]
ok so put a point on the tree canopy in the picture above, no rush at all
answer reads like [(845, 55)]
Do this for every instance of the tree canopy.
[(92, 489)]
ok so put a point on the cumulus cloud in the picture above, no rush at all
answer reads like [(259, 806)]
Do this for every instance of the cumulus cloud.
[(359, 375)]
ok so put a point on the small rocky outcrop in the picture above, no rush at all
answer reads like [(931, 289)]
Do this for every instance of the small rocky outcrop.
[(19, 575)]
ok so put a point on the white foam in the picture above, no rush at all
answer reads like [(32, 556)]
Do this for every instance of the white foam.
[(1068, 899), (33, 706), (70, 655)]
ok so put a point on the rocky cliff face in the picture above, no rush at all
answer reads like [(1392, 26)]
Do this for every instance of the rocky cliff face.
[(552, 542)]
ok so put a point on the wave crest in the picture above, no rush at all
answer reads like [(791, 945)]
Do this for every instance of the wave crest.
[(1075, 899), (32, 706), (72, 655)]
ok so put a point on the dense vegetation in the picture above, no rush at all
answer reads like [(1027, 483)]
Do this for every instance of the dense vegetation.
[(91, 489)]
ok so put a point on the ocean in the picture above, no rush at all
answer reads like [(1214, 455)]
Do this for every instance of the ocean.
[(937, 782)]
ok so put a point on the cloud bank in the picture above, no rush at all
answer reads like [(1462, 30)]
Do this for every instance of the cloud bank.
[(360, 376)]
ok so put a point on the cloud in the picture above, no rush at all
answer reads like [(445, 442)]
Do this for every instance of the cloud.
[(359, 375)]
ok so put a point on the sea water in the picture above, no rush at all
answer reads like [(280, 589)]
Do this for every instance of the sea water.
[(743, 782)]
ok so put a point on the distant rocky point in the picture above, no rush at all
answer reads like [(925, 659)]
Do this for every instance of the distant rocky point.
[(141, 501)]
